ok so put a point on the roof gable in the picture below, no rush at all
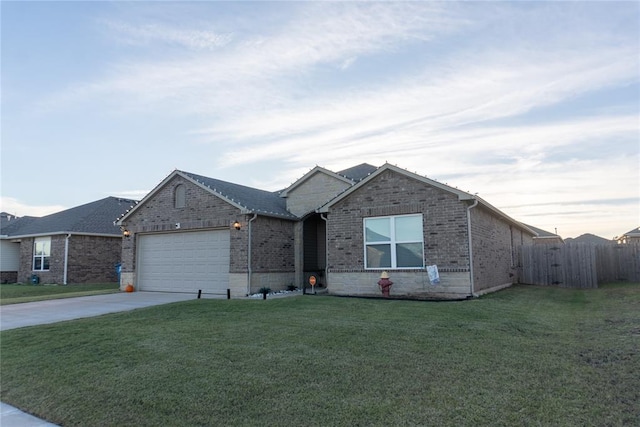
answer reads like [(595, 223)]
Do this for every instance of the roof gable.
[(247, 199), (307, 176), (462, 195)]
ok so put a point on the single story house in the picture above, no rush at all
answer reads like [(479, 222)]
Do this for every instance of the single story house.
[(630, 237), (77, 245), (544, 237), (194, 233)]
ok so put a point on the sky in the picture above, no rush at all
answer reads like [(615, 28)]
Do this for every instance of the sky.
[(534, 106)]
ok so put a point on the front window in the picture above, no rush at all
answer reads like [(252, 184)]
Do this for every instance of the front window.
[(394, 242), (41, 253)]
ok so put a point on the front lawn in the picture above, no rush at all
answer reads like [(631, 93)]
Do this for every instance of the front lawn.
[(522, 356), (15, 294)]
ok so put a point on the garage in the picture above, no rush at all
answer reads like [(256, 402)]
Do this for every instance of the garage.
[(184, 262)]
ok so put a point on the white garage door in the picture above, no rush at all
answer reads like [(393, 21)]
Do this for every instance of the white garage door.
[(184, 262)]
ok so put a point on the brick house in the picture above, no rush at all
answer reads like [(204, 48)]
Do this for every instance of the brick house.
[(193, 233), (77, 245)]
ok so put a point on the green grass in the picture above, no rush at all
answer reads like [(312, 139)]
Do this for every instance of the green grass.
[(15, 294), (524, 356)]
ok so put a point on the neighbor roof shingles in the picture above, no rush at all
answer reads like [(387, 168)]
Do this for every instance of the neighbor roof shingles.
[(359, 172), (92, 218), (257, 201)]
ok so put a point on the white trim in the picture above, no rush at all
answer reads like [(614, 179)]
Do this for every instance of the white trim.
[(147, 197), (58, 233), (392, 242), (42, 257), (66, 259), (469, 235)]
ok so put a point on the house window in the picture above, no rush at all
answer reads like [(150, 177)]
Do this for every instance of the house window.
[(393, 242), (41, 253), (180, 196)]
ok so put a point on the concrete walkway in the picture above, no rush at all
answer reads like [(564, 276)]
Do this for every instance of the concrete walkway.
[(52, 311)]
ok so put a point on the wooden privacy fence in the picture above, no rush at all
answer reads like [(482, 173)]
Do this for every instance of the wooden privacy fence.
[(578, 265)]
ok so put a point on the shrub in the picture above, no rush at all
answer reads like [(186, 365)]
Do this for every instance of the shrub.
[(265, 290)]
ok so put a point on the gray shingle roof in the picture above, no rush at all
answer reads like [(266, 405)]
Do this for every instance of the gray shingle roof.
[(254, 200), (634, 232), (359, 172), (92, 218), (588, 238), (9, 223), (267, 202)]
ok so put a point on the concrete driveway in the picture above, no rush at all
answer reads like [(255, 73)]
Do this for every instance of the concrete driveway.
[(51, 311)]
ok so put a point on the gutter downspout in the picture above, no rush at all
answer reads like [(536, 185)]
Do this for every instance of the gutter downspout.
[(66, 258), (249, 271), (326, 251), (471, 284)]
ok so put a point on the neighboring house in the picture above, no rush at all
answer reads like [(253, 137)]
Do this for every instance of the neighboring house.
[(193, 233), (78, 245), (588, 239), (630, 237), (544, 237), (9, 251)]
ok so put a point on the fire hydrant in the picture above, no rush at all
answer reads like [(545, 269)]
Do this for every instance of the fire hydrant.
[(385, 284)]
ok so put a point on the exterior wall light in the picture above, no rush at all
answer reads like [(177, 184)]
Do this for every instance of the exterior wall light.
[(126, 233), (237, 225)]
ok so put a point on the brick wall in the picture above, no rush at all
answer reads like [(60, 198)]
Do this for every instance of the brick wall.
[(91, 259), (8, 277), (495, 249), (406, 283), (56, 261), (272, 245), (444, 221), (391, 193)]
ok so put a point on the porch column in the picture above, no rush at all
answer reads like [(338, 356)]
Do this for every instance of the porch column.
[(298, 247)]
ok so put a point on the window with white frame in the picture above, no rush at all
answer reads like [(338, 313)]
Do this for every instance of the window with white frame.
[(393, 242), (41, 253)]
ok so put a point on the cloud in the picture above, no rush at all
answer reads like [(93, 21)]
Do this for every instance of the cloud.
[(130, 194), (444, 89), (424, 112), (255, 69), (19, 208), (150, 33)]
